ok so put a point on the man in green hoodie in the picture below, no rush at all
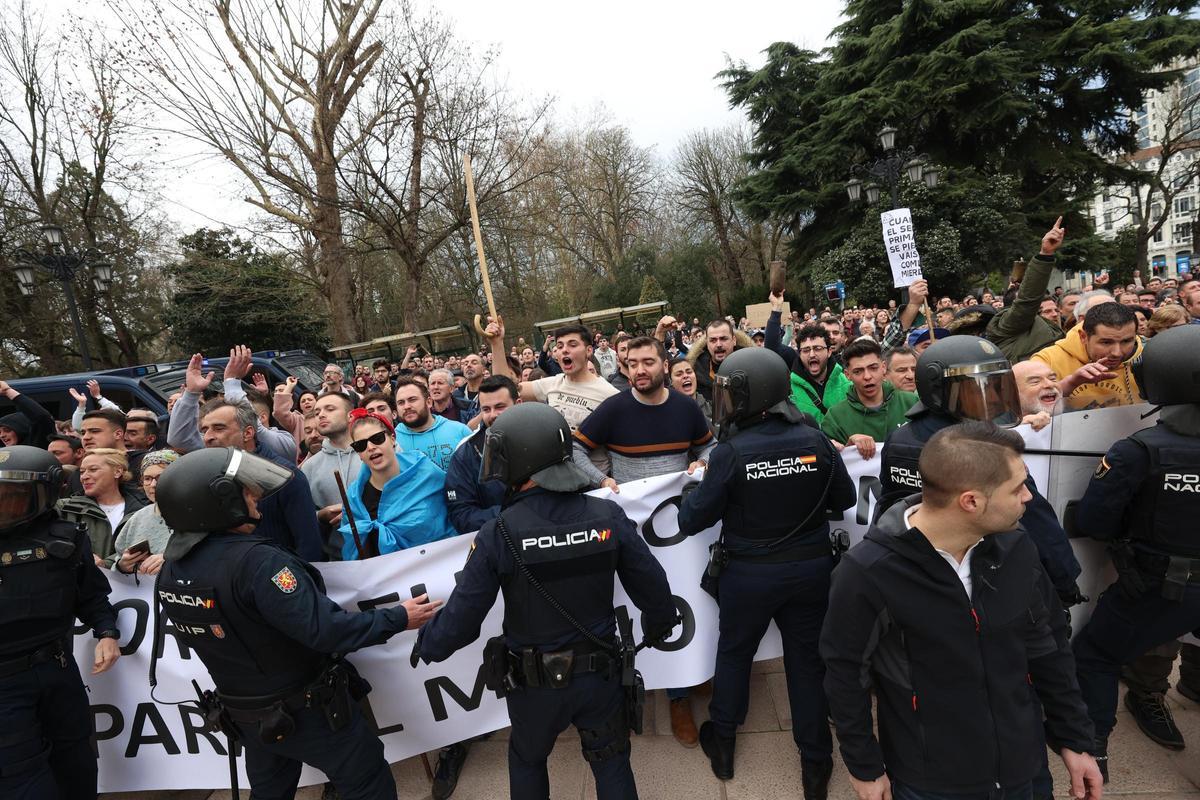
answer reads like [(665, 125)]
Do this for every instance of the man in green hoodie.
[(817, 379), (873, 407)]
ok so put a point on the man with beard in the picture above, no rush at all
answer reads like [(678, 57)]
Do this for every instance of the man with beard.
[(312, 437), (711, 348), (471, 502), (649, 430), (334, 381), (1041, 398), (472, 372), (423, 431), (1095, 358), (817, 381), (620, 378)]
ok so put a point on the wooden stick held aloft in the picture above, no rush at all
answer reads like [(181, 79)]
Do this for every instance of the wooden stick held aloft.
[(483, 268)]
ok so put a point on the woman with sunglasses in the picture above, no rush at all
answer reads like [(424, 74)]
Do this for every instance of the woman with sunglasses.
[(398, 501)]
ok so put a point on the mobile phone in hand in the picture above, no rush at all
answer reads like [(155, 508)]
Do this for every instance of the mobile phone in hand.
[(141, 547)]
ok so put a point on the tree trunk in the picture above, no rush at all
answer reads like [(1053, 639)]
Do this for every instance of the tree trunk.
[(337, 280)]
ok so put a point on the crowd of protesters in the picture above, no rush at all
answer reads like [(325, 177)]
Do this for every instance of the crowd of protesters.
[(404, 440)]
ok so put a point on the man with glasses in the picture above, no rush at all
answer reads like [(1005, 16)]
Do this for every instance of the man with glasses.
[(817, 381)]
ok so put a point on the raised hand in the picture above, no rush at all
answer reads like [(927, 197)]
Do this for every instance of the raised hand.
[(79, 397), (260, 382), (494, 330), (193, 380), (94, 388), (239, 363), (1053, 238)]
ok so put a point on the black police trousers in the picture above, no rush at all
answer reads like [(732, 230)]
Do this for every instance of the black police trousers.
[(592, 703), (795, 594), (1119, 631), (45, 734), (351, 758)]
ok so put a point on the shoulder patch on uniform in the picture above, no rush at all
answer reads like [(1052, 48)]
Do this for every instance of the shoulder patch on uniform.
[(285, 580), (1102, 468)]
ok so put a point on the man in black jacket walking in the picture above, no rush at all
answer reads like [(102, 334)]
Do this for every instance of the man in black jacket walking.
[(945, 610)]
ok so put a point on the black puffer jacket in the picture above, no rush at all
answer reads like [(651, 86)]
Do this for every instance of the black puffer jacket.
[(957, 679)]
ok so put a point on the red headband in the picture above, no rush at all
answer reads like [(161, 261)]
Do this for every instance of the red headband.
[(362, 413)]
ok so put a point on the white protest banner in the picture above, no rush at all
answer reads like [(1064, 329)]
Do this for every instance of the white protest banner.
[(146, 745), (900, 242)]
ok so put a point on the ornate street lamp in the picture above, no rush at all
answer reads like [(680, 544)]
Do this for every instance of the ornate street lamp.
[(890, 170)]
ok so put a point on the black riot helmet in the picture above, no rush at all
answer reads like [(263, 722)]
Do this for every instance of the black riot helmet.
[(531, 441), (968, 377), (202, 492), (749, 382), (1168, 373), (31, 480)]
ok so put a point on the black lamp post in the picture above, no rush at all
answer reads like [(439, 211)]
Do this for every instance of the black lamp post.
[(63, 264), (889, 170)]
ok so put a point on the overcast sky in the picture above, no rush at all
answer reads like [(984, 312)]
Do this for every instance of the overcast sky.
[(650, 63)]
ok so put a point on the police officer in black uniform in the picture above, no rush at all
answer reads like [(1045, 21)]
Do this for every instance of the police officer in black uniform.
[(1145, 498), (48, 578), (771, 482), (258, 617), (960, 378), (548, 535)]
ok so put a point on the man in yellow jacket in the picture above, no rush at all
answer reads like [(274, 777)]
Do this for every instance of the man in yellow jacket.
[(1093, 360)]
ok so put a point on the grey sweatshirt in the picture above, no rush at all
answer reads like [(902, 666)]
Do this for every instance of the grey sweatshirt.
[(319, 467)]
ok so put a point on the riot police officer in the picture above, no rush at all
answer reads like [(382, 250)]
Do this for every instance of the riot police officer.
[(960, 378), (258, 617), (48, 578), (553, 552), (1145, 498), (771, 481)]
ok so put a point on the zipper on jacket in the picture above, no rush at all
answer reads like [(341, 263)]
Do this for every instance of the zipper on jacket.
[(975, 616)]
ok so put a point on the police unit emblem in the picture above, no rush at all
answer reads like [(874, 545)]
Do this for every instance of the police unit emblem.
[(285, 580), (217, 631), (1101, 469), (4, 456), (6, 558)]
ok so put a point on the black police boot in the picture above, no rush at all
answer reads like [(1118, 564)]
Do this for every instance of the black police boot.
[(719, 751), (449, 767), (1152, 715), (815, 776), (1100, 753)]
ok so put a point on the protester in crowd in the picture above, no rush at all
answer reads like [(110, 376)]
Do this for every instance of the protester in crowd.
[(141, 431), (1018, 330), (1066, 309), (872, 407), (381, 374), (1189, 298), (1094, 359), (1166, 317), (574, 393), (896, 331), (471, 502), (606, 357), (334, 382), (866, 330), (901, 364), (397, 501), (335, 455), (1041, 398), (1143, 321), (472, 372), (279, 442), (380, 403), (93, 387), (313, 438), (289, 414), (818, 381), (1048, 310), (711, 348), (942, 645), (146, 524), (67, 449), (421, 430), (620, 378), (106, 500), (288, 516), (683, 380), (442, 400), (30, 424)]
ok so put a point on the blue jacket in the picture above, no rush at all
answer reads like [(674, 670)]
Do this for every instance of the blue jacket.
[(412, 510), (438, 442), (470, 501), (289, 516)]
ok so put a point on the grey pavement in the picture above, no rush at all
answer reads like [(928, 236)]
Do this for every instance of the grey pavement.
[(767, 766)]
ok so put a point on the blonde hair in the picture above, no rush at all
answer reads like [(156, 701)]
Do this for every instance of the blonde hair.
[(113, 458), (1167, 317)]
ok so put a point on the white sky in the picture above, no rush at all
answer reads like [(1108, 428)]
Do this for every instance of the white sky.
[(650, 63)]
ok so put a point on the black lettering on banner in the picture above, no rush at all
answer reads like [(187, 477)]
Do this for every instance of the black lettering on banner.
[(141, 611), (651, 536), (368, 711), (376, 602), (185, 652), (116, 721), (434, 687), (193, 724), (687, 628), (162, 734), (870, 488)]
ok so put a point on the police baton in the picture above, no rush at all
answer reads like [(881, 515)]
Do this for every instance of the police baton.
[(337, 476)]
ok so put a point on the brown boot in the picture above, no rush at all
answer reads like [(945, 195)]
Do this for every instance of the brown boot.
[(682, 723)]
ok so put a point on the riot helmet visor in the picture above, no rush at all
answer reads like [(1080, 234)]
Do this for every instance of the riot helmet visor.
[(725, 399), (495, 463), (20, 501), (260, 476), (984, 392)]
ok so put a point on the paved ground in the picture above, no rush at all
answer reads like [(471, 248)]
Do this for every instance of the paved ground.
[(767, 766)]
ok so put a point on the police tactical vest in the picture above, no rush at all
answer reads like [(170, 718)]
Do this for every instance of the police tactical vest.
[(575, 562), (777, 479), (898, 474), (39, 580), (246, 657), (1163, 513)]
